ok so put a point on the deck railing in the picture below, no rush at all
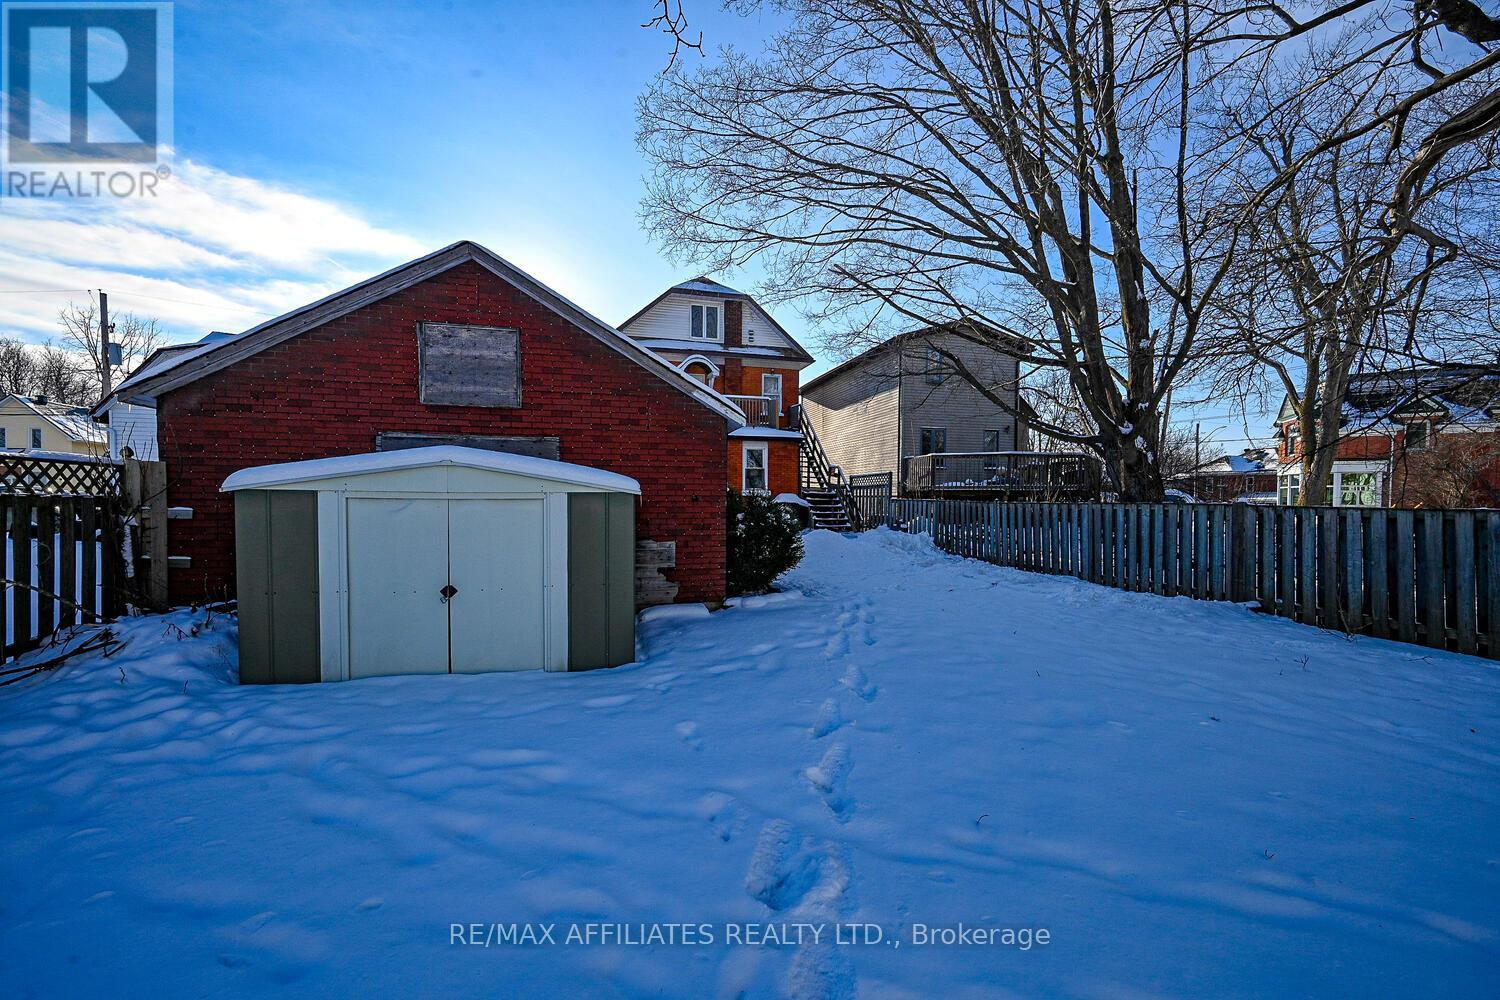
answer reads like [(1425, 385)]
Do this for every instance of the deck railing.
[(760, 411), (1003, 475)]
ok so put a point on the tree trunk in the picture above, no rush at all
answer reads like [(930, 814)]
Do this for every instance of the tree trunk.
[(1135, 471)]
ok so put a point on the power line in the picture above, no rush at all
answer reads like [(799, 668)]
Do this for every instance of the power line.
[(40, 291)]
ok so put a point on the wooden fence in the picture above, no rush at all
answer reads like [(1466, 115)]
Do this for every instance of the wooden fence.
[(1429, 577), (62, 566), (872, 497)]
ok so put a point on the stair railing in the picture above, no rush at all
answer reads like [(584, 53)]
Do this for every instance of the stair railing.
[(815, 471)]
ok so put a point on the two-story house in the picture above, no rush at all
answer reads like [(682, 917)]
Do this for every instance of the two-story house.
[(903, 398), (724, 339), (1417, 438), (38, 424)]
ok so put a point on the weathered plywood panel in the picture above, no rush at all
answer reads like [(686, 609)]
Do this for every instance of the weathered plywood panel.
[(469, 365)]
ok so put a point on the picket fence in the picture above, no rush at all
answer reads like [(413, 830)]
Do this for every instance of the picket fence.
[(1428, 577)]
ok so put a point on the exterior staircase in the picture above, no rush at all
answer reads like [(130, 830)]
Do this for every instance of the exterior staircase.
[(827, 511), (821, 483)]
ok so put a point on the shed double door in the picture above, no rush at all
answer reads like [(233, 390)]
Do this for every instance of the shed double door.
[(445, 586)]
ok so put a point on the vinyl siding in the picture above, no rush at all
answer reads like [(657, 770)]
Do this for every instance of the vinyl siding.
[(871, 415), (856, 417), (956, 405), (133, 427), (671, 319)]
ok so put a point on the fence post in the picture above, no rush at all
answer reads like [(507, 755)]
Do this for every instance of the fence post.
[(1242, 552)]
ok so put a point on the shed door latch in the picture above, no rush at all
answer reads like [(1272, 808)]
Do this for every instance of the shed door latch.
[(447, 592)]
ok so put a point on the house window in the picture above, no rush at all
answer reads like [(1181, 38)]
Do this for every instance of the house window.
[(36, 437), (935, 364), (934, 440), (991, 445), (468, 365), (756, 475), (2, 438), (1418, 434), (1288, 489), (1358, 489), (770, 385), (705, 322), (701, 372)]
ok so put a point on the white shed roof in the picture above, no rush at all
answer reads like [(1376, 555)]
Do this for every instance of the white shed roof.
[(264, 476)]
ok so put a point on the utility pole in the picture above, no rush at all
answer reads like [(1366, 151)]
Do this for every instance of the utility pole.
[(104, 370), (1197, 455)]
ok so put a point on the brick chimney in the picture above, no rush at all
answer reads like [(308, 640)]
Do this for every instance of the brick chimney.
[(734, 323)]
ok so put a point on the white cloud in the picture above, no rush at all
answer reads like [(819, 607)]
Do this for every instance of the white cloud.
[(211, 251)]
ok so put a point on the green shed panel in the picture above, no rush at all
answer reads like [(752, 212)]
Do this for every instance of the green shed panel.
[(601, 580), (276, 566)]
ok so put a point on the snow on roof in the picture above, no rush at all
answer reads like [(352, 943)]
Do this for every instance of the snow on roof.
[(703, 283), (766, 433), (416, 458), (165, 359), (74, 421)]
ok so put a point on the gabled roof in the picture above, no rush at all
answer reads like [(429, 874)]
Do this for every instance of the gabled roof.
[(73, 421), (705, 285), (1248, 462), (208, 357), (1457, 395), (870, 354), (339, 466)]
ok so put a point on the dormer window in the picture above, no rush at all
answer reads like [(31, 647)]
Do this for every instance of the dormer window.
[(705, 324)]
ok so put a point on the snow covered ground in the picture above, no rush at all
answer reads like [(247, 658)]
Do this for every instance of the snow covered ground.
[(1191, 799)]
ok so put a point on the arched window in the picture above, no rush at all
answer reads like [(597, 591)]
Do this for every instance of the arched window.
[(700, 368)]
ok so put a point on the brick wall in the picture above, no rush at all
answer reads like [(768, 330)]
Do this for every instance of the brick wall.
[(782, 457), (329, 391)]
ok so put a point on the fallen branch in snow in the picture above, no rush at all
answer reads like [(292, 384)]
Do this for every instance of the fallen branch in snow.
[(99, 641)]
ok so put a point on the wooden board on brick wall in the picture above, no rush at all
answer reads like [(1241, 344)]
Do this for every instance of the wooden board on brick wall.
[(651, 585)]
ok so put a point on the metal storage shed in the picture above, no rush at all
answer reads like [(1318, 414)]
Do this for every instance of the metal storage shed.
[(432, 560)]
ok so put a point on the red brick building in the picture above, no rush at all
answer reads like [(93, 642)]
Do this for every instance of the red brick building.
[(724, 339), (343, 376), (1420, 438)]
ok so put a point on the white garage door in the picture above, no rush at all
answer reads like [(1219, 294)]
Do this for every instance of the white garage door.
[(437, 586)]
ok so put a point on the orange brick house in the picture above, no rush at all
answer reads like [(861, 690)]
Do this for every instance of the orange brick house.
[(724, 339), (1417, 438)]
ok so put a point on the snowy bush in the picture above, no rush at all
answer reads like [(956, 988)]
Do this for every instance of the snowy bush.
[(764, 542)]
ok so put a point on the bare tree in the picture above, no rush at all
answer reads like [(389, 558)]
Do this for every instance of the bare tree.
[(137, 337), (1027, 166), (671, 19), (1459, 469), (1437, 58), (17, 368), (1320, 287), (59, 377)]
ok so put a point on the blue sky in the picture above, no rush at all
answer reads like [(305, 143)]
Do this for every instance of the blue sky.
[(317, 143)]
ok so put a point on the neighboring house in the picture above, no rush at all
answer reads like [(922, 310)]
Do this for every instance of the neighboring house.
[(458, 347), (1249, 476), (724, 339), (902, 399), (35, 423), (1421, 438), (132, 424)]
